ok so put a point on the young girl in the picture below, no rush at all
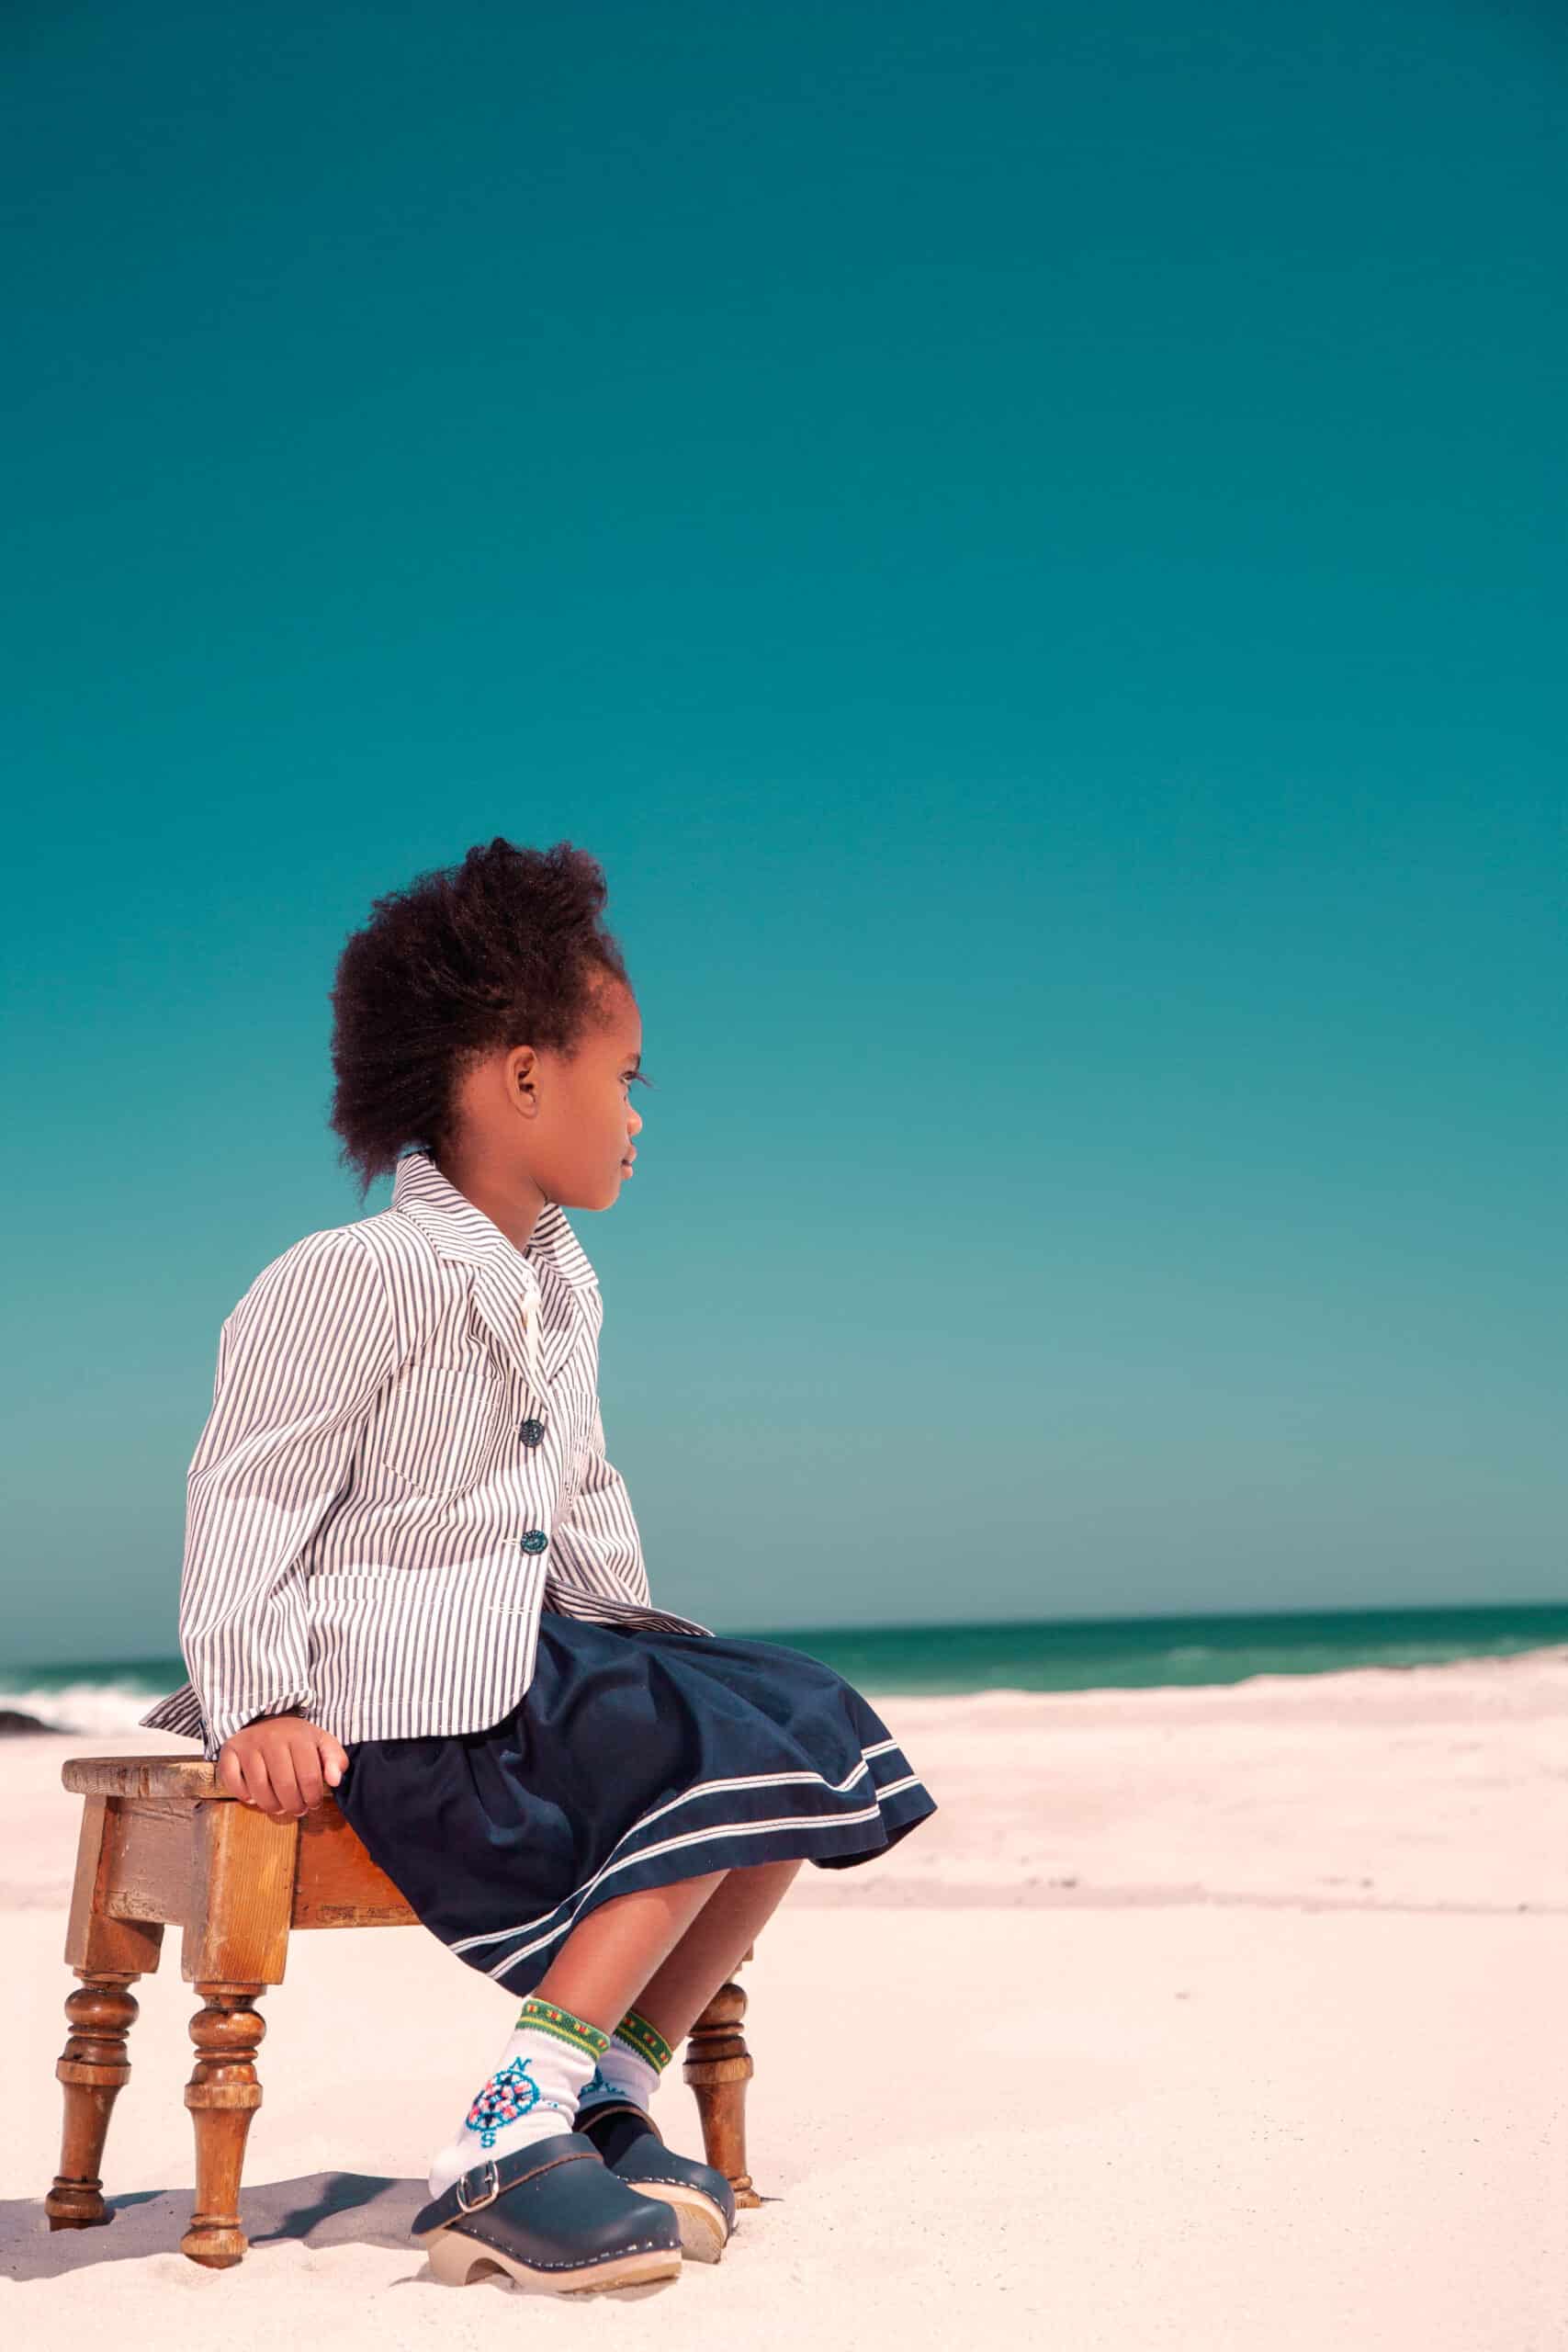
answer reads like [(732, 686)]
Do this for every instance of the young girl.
[(413, 1576)]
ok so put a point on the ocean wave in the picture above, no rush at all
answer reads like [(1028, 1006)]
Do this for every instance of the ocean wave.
[(92, 1710)]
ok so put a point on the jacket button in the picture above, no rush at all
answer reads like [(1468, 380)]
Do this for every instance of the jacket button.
[(530, 1432), (535, 1540)]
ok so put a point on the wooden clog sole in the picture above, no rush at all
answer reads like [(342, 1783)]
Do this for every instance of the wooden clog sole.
[(459, 2261), (703, 2232)]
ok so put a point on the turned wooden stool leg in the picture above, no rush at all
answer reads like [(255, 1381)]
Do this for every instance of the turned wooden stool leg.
[(236, 1942), (718, 2065), (222, 2095), (94, 2069), (109, 1956)]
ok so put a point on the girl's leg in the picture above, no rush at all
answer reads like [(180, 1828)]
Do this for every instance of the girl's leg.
[(659, 1943), (564, 2026), (609, 1956), (679, 1988), (669, 1949), (713, 1947)]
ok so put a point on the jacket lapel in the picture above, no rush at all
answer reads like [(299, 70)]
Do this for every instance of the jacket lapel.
[(561, 1296)]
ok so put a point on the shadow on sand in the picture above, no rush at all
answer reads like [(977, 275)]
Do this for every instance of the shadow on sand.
[(326, 2208)]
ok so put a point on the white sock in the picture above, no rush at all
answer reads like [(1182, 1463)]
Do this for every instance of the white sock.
[(633, 2063), (532, 2093)]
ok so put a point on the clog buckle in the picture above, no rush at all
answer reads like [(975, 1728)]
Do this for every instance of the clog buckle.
[(492, 2177)]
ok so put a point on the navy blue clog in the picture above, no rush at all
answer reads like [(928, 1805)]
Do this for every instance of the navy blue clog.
[(633, 2148), (552, 2215)]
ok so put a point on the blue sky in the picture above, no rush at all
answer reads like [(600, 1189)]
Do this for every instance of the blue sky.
[(1032, 551)]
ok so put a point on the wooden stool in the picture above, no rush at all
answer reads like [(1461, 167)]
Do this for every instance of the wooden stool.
[(162, 1845)]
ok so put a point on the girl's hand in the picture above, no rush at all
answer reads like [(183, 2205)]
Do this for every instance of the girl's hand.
[(280, 1765)]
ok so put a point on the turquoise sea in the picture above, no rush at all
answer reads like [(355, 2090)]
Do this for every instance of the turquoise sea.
[(105, 1697)]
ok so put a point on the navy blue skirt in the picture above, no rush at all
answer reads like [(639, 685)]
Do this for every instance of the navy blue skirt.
[(635, 1758)]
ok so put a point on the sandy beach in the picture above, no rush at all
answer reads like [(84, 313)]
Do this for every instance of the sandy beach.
[(1195, 2017)]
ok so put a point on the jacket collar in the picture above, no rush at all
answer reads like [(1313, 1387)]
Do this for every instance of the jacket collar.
[(566, 1285), (458, 1229)]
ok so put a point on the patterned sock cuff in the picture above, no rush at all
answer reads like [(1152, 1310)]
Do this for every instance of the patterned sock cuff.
[(546, 2017), (645, 2040)]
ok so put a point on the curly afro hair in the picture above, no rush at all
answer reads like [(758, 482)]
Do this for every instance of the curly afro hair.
[(507, 948)]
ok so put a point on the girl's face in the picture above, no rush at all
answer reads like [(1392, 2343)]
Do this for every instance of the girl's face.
[(585, 1123), (535, 1126)]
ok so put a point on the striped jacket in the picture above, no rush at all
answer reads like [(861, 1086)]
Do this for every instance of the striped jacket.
[(403, 1464)]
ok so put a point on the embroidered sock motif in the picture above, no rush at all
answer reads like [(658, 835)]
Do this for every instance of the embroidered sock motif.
[(633, 2063), (505, 2098), (532, 2093)]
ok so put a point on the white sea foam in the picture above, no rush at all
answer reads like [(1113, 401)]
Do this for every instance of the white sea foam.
[(96, 1710)]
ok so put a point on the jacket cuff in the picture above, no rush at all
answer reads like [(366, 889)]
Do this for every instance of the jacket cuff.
[(229, 1720)]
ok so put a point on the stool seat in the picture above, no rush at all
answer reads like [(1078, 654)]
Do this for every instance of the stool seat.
[(162, 1844)]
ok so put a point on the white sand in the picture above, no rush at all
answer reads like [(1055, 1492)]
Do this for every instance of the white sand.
[(1198, 2019)]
